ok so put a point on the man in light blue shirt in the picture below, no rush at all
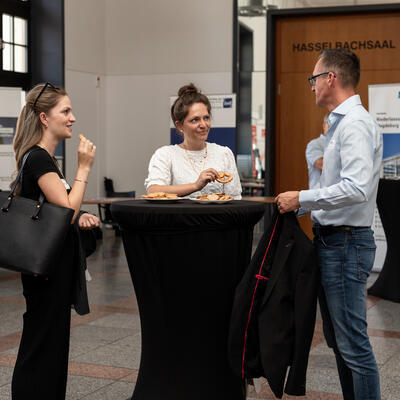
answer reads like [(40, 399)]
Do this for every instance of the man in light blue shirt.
[(342, 206), (315, 155)]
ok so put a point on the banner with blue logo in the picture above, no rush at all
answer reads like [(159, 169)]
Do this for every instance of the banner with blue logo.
[(384, 106), (223, 121)]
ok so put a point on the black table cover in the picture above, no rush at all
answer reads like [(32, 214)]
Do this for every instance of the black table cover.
[(387, 286), (185, 261)]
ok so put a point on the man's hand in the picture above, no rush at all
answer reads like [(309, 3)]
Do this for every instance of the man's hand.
[(287, 201), (319, 163)]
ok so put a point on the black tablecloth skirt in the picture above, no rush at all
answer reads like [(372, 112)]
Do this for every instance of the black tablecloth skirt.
[(185, 261), (387, 286)]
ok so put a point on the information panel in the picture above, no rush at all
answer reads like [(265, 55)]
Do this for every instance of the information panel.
[(10, 106), (384, 106)]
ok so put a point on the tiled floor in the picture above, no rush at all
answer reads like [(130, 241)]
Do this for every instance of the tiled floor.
[(105, 345)]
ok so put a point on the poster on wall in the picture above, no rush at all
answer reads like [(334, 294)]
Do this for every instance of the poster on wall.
[(223, 121), (7, 161), (10, 106), (384, 106)]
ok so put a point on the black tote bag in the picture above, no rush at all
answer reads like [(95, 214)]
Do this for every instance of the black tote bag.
[(32, 233)]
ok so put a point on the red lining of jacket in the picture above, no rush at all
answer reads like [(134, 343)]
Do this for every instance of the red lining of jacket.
[(258, 276)]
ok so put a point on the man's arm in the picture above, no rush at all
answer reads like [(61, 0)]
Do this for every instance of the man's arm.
[(314, 156), (315, 152)]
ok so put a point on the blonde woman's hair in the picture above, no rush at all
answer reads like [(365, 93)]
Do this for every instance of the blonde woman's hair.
[(41, 98)]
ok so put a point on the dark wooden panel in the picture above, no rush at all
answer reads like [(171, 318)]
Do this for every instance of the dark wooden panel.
[(374, 37)]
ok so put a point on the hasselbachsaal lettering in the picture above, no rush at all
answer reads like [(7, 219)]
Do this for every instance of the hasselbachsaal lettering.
[(349, 45)]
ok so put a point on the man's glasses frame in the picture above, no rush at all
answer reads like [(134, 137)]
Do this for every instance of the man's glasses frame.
[(312, 80), (41, 92)]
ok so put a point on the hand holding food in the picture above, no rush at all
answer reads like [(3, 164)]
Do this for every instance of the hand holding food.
[(224, 177), (86, 153), (205, 177)]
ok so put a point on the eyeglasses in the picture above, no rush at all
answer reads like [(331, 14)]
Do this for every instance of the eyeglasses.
[(41, 92), (312, 80)]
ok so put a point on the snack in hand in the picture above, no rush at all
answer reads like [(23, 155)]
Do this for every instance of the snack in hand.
[(224, 177), (160, 196), (81, 137)]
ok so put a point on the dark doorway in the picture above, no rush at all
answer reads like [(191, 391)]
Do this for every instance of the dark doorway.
[(244, 93)]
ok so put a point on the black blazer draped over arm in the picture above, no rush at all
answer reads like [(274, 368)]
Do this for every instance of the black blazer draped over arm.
[(274, 311)]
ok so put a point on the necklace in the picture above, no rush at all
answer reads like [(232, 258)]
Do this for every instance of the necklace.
[(193, 161)]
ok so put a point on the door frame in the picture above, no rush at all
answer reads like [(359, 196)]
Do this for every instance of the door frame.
[(270, 119)]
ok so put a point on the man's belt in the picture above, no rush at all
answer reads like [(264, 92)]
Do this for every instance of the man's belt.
[(325, 230)]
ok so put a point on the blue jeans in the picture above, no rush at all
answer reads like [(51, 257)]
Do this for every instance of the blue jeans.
[(345, 259)]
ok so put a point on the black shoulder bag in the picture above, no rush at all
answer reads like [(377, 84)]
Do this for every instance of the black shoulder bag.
[(32, 233)]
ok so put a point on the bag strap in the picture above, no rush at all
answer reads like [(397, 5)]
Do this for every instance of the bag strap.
[(20, 172), (11, 195)]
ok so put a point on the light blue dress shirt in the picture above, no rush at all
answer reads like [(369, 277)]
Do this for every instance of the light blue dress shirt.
[(315, 150), (352, 159)]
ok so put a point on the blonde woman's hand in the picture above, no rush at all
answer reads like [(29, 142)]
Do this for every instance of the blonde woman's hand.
[(205, 177), (86, 153), (88, 221)]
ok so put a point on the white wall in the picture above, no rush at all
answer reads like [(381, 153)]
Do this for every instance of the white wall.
[(138, 120), (167, 37), (85, 35), (86, 96), (85, 57), (143, 51)]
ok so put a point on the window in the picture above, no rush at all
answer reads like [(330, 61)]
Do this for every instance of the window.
[(14, 42)]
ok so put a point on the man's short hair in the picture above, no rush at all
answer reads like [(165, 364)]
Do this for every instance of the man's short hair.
[(344, 63)]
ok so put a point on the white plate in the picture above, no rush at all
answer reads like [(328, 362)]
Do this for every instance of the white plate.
[(204, 201), (162, 200)]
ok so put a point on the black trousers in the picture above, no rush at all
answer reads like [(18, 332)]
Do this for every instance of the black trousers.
[(42, 364)]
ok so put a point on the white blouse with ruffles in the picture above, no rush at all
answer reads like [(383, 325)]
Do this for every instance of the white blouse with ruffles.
[(172, 165)]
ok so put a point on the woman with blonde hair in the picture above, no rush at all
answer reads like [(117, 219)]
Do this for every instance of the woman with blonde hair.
[(42, 363)]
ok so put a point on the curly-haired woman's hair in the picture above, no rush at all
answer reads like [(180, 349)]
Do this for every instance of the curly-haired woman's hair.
[(41, 98), (187, 95)]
